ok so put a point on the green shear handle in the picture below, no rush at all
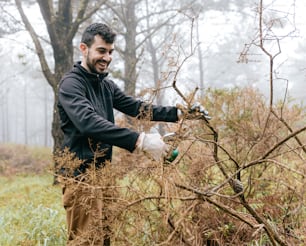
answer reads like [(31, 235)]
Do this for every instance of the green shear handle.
[(173, 152)]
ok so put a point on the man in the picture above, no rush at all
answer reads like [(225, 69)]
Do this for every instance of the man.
[(86, 102)]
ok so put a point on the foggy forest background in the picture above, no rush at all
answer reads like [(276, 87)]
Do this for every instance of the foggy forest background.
[(220, 31)]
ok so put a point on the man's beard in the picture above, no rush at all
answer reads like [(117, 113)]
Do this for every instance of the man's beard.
[(92, 68)]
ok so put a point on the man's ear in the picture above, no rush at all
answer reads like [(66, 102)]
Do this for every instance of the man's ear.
[(83, 48)]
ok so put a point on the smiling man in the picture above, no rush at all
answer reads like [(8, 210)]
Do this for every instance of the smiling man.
[(87, 99)]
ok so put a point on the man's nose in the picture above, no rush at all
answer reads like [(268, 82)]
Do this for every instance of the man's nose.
[(107, 56)]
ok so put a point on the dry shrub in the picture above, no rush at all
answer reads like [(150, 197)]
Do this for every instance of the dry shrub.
[(192, 200)]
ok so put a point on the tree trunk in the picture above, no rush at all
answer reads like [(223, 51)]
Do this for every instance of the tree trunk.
[(64, 62), (130, 58), (45, 110), (61, 29), (201, 65), (25, 112)]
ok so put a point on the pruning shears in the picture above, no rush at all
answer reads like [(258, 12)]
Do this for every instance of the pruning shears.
[(173, 152)]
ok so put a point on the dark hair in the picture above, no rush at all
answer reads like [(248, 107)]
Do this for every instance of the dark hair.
[(106, 33)]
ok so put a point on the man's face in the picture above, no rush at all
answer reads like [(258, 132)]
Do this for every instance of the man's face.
[(98, 56)]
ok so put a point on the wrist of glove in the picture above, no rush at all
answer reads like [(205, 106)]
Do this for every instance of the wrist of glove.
[(196, 111), (152, 144)]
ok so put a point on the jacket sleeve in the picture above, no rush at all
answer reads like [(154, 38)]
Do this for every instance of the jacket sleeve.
[(142, 110), (79, 110)]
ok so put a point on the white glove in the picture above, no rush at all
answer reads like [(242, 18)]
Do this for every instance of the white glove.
[(153, 144)]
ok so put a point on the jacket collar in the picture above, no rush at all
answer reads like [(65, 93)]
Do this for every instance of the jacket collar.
[(89, 74)]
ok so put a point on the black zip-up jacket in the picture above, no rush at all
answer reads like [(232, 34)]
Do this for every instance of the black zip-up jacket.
[(86, 103)]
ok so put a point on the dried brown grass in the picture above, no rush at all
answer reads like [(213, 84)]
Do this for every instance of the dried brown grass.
[(21, 159)]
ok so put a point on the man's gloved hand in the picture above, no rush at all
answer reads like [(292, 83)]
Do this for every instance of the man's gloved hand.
[(196, 111), (152, 144)]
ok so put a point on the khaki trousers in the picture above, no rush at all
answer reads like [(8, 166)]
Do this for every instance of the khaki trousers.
[(84, 215)]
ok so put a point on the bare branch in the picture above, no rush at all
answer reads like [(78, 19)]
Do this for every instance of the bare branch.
[(39, 49)]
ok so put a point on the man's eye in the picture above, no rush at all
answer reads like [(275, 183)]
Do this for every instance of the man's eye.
[(102, 52)]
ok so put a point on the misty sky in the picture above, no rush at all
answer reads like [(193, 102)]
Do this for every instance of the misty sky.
[(21, 70)]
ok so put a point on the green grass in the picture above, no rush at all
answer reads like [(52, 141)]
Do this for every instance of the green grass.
[(31, 211)]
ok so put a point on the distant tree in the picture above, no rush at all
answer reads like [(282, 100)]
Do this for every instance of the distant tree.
[(9, 24), (4, 111), (63, 19), (5, 28), (131, 22)]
